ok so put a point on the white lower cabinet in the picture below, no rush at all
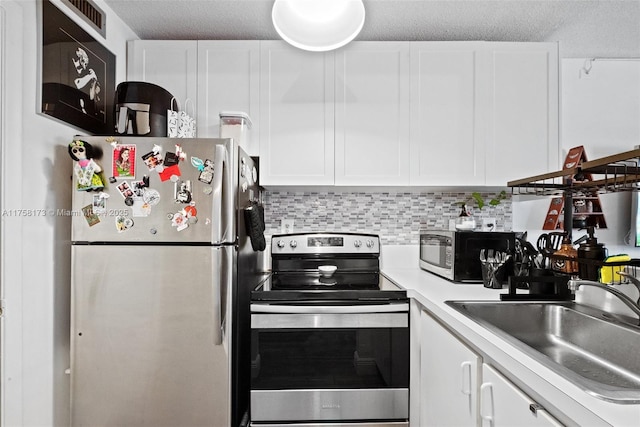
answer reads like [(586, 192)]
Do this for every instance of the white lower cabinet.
[(448, 377), (503, 404), (455, 387)]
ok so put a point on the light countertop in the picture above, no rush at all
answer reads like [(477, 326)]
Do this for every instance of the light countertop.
[(400, 265)]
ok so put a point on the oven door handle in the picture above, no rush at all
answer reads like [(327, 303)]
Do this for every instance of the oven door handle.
[(329, 309)]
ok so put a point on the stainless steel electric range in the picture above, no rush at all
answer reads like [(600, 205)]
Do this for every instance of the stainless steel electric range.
[(328, 347)]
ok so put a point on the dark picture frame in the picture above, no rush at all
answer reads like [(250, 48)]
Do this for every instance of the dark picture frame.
[(78, 74)]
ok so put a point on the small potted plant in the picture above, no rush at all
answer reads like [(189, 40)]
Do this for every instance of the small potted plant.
[(465, 220)]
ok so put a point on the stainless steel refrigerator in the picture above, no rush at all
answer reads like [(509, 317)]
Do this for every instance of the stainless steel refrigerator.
[(162, 268)]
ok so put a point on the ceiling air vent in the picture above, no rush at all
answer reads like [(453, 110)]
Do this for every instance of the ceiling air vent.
[(90, 13)]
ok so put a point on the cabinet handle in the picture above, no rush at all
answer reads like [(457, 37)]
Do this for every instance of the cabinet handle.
[(465, 367), (486, 403)]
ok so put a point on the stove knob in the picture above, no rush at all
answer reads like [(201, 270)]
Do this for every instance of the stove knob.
[(370, 243), (280, 244), (293, 244), (357, 243)]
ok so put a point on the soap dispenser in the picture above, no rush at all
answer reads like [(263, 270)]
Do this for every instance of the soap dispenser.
[(590, 250)]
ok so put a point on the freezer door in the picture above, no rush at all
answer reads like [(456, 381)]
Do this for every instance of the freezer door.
[(152, 200), (146, 348)]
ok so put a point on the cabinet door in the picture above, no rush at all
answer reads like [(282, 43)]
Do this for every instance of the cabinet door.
[(372, 114), (296, 116), (523, 111), (447, 145), (449, 372), (228, 80), (171, 64), (502, 404)]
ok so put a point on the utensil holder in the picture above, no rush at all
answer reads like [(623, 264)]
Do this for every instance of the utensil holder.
[(493, 274)]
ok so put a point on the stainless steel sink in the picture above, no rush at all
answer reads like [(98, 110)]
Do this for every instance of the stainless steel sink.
[(585, 345)]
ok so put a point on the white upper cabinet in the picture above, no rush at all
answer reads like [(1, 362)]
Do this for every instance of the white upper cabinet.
[(372, 114), (228, 80), (483, 113), (522, 115), (296, 116), (171, 64), (446, 144), (220, 75)]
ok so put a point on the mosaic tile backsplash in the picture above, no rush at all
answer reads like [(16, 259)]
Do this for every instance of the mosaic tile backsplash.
[(396, 216)]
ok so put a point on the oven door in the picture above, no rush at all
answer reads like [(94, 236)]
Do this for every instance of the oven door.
[(330, 363)]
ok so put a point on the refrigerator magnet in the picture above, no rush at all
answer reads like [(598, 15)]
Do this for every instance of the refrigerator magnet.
[(140, 208), (190, 211), (99, 204), (90, 216), (168, 172), (125, 190), (197, 163), (206, 173), (152, 159), (151, 196), (124, 161), (182, 191), (123, 223), (138, 187), (171, 159), (179, 221), (180, 152)]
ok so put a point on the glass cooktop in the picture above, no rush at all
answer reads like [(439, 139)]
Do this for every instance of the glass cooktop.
[(301, 286)]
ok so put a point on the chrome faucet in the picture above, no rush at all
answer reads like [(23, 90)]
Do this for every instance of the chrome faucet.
[(633, 280), (574, 284)]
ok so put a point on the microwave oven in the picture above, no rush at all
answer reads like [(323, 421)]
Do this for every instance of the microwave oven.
[(455, 255)]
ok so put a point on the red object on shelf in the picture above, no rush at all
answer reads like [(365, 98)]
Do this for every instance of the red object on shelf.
[(586, 206)]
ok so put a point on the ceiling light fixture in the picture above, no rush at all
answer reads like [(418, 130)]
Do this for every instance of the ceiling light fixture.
[(318, 25)]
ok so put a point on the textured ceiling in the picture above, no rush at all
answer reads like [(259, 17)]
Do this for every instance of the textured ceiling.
[(584, 28)]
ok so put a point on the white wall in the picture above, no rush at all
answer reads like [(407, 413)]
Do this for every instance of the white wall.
[(37, 292), (600, 110)]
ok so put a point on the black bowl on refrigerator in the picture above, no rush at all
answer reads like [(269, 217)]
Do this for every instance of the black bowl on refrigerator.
[(140, 108)]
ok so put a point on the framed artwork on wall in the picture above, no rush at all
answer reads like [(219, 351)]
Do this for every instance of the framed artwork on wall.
[(77, 72)]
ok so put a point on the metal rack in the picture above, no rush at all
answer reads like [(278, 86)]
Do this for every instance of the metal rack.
[(615, 173)]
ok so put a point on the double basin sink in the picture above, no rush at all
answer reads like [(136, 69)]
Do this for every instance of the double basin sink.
[(586, 346)]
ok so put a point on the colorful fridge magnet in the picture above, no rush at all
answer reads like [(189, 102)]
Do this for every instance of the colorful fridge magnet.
[(180, 153), (90, 216), (153, 159), (190, 211), (124, 161), (123, 223), (179, 220), (86, 170), (168, 172)]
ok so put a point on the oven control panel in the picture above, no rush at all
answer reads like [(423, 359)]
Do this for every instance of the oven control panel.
[(325, 243)]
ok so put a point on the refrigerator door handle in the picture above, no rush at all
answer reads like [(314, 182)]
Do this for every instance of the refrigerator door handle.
[(222, 197), (217, 280)]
